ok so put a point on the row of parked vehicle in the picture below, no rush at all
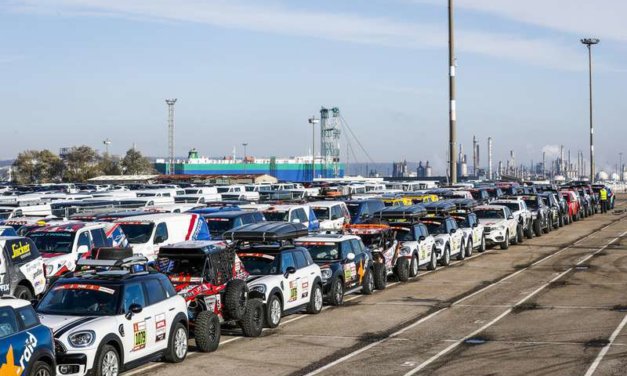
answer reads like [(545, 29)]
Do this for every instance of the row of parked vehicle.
[(114, 289)]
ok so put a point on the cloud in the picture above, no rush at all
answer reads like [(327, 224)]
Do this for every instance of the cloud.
[(552, 151), (345, 27)]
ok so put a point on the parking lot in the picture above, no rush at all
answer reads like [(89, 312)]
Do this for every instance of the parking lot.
[(555, 305)]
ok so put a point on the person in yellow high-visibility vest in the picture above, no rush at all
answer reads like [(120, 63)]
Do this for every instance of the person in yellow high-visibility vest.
[(603, 197)]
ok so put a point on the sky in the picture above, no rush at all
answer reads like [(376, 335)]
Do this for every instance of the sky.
[(78, 72)]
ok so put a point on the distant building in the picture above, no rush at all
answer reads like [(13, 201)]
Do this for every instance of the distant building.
[(400, 170)]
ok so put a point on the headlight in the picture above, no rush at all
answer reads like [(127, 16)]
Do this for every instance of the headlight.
[(405, 251), (501, 228), (82, 339), (259, 288), (326, 273)]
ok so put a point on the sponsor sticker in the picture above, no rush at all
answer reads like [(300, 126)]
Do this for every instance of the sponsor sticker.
[(20, 249), (139, 335), (81, 286), (349, 271), (293, 291), (160, 326)]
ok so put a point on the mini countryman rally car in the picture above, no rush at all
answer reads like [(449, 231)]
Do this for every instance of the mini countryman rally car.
[(449, 238), (345, 264), (26, 346), (282, 275), (21, 268), (209, 276), (114, 315), (469, 224)]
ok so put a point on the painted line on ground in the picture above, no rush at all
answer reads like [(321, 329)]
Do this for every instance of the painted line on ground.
[(606, 348)]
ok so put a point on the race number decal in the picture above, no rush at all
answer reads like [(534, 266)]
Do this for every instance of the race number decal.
[(139, 335), (160, 326), (293, 291), (349, 271)]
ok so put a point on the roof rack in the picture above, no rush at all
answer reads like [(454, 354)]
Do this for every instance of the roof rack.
[(440, 207), (464, 204), (412, 212), (267, 232), (365, 229), (125, 263)]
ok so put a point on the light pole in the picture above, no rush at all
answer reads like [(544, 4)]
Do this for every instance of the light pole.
[(313, 121), (452, 110), (244, 160), (589, 42), (620, 166)]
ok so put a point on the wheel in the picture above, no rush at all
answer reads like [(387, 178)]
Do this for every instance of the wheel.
[(560, 221), (547, 226), (380, 276), (23, 292), (252, 322), (336, 294), (537, 229), (41, 369), (576, 217), (367, 287), (469, 248), (402, 269), (433, 262), (107, 362), (570, 220), (514, 239), (177, 345), (462, 251), (445, 260), (207, 331), (315, 301), (505, 244), (482, 246), (274, 311), (235, 298), (529, 231), (413, 266), (520, 237)]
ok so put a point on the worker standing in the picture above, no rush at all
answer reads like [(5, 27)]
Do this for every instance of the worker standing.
[(603, 196)]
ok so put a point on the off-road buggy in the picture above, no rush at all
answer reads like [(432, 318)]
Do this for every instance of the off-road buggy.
[(209, 276)]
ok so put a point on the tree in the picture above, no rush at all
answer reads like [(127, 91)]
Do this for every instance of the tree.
[(134, 163), (34, 166), (81, 163), (110, 165)]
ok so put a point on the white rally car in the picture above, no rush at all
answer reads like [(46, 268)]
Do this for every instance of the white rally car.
[(21, 268), (500, 225), (109, 321), (449, 239), (416, 240), (519, 210)]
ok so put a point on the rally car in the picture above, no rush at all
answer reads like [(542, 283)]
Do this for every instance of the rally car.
[(540, 214), (450, 240), (21, 268), (107, 321), (210, 277), (469, 224), (500, 225), (345, 264), (521, 213), (26, 346), (282, 275)]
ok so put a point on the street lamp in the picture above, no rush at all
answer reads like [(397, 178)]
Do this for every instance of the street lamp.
[(620, 166), (313, 121), (244, 160), (589, 42)]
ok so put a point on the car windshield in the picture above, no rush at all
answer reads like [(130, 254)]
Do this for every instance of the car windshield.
[(137, 233), (512, 206), (181, 266), (435, 227), (261, 265), (353, 209), (5, 214), (53, 242), (533, 204), (218, 226), (84, 299), (323, 252), (279, 216), (462, 221), (405, 235), (223, 189), (321, 213), (476, 195), (490, 214)]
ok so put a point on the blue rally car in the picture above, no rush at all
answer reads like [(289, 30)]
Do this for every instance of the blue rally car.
[(26, 346)]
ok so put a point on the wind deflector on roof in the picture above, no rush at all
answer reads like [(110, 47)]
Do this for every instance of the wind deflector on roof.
[(267, 231)]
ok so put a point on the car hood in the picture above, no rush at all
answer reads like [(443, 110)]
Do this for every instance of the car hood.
[(261, 279), (61, 325), (52, 258), (491, 222)]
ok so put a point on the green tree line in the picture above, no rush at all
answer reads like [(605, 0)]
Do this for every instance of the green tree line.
[(78, 164)]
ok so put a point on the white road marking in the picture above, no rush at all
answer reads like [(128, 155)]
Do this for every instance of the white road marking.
[(606, 348)]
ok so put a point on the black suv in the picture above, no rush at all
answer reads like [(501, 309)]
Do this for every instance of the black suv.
[(540, 214)]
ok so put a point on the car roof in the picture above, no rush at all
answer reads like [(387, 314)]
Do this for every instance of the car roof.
[(68, 227), (326, 204), (228, 214), (490, 207), (336, 238), (10, 301), (153, 217)]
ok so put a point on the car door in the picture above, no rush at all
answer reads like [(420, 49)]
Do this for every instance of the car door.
[(476, 231), (290, 292), (139, 328), (162, 313), (5, 281), (426, 245), (303, 279), (456, 238), (361, 261), (12, 339)]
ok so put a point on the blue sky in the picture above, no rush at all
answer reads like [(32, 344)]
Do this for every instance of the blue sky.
[(79, 71)]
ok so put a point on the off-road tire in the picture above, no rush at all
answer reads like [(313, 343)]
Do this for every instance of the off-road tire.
[(97, 367), (514, 240), (315, 306), (445, 260), (269, 321), (207, 331), (505, 243), (401, 270), (253, 320), (41, 369), (462, 252), (170, 354), (547, 228), (469, 248), (537, 228), (235, 298), (368, 286), (560, 221), (23, 292), (433, 262), (520, 237), (413, 266), (336, 293), (380, 276), (482, 247)]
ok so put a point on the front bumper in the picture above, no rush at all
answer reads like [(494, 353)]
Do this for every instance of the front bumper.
[(75, 363), (494, 236)]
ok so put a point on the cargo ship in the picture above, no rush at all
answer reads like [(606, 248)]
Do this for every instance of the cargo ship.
[(295, 169)]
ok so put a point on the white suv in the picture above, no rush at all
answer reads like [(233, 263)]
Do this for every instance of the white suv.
[(333, 215), (104, 321), (500, 225), (417, 242), (523, 215)]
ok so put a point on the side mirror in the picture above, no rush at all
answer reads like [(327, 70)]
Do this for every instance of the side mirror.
[(510, 217), (83, 249), (133, 310), (421, 238), (334, 217), (475, 225), (159, 239), (290, 270), (350, 256), (453, 231)]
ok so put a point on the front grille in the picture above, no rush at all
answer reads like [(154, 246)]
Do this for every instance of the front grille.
[(59, 348)]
